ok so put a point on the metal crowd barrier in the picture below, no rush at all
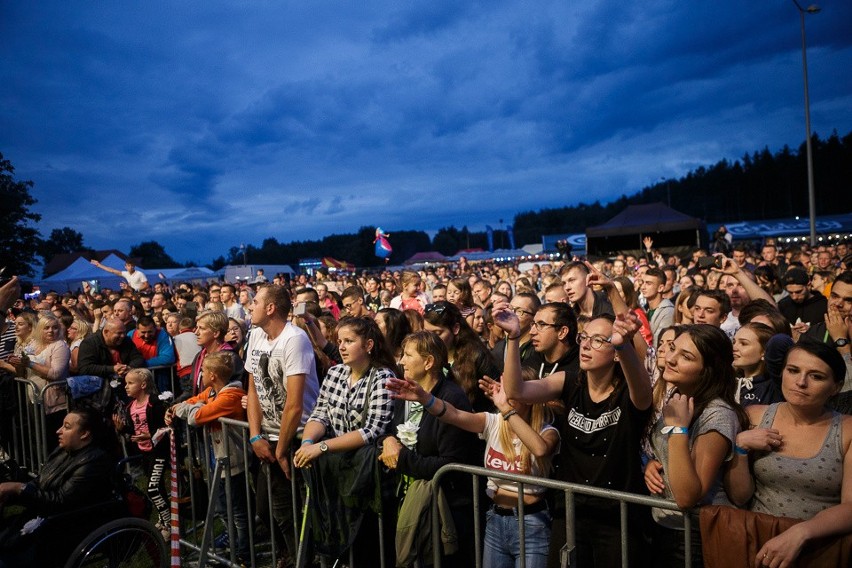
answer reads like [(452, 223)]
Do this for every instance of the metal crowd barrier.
[(29, 443), (197, 535), (569, 490), (173, 378)]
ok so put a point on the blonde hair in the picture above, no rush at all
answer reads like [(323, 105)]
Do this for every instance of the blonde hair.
[(220, 364), (216, 321), (38, 331), (409, 276), (84, 330), (147, 377), (540, 415)]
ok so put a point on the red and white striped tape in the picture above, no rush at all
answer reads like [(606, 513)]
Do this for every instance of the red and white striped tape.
[(175, 524)]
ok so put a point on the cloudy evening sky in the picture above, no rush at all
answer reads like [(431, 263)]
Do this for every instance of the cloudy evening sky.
[(206, 124)]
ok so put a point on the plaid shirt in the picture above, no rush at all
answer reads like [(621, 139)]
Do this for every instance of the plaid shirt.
[(340, 408)]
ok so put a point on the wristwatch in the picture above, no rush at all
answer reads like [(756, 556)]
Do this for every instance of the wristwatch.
[(323, 447), (841, 342)]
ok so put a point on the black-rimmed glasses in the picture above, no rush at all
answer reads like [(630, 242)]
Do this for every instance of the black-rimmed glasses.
[(540, 325)]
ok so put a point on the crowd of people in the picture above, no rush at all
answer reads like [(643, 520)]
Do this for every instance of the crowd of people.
[(705, 380)]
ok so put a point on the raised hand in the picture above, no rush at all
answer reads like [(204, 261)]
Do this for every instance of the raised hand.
[(624, 328), (406, 389)]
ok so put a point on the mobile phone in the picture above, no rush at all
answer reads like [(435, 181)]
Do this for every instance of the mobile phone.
[(300, 309), (710, 261)]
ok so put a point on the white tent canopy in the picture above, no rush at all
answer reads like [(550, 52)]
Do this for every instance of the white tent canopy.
[(71, 278)]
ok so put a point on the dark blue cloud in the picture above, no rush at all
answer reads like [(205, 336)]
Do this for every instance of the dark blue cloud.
[(203, 125)]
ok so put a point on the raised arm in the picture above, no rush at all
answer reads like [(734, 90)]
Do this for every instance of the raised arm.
[(543, 390), (405, 389), (755, 292), (540, 445), (619, 306), (107, 268), (638, 382)]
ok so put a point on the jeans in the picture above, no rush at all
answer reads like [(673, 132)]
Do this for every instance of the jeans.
[(502, 540), (239, 512)]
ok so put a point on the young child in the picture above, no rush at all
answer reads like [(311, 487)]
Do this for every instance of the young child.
[(222, 397), (140, 419)]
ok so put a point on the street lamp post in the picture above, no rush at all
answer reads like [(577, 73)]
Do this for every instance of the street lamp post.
[(812, 9)]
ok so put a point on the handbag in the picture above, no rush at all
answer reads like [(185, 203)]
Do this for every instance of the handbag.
[(732, 537)]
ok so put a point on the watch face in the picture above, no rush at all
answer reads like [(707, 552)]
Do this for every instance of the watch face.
[(842, 342), (323, 447)]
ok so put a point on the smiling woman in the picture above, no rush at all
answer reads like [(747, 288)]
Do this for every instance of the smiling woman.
[(48, 363), (694, 437)]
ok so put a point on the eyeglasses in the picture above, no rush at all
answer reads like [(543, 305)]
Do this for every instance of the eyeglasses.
[(438, 308), (349, 307), (540, 325), (522, 311), (597, 341)]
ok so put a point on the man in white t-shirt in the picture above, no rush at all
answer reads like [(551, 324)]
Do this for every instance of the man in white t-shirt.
[(135, 278), (283, 389)]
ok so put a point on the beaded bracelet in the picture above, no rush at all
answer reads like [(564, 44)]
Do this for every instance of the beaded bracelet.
[(510, 414)]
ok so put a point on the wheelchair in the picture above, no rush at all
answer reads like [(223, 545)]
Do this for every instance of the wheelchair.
[(111, 534), (129, 540)]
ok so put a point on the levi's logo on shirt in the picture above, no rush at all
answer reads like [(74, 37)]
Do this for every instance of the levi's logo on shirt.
[(496, 460)]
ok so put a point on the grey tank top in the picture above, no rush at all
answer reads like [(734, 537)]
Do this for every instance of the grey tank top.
[(799, 488)]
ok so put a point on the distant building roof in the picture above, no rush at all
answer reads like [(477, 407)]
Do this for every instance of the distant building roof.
[(426, 256)]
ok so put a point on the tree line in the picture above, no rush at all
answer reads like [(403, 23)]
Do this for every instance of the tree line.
[(761, 185)]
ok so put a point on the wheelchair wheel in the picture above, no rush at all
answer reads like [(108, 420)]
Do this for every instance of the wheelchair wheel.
[(123, 543)]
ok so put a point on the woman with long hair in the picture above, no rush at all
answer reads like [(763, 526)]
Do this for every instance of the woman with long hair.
[(353, 410), (47, 363), (612, 391), (694, 437), (467, 355), (394, 326), (24, 343), (797, 460), (418, 443), (519, 439), (683, 305)]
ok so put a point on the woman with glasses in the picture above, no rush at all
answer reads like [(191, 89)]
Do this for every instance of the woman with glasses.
[(466, 353), (608, 406), (77, 332)]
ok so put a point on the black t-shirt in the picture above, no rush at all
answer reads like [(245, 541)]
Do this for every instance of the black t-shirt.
[(569, 363), (601, 441)]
